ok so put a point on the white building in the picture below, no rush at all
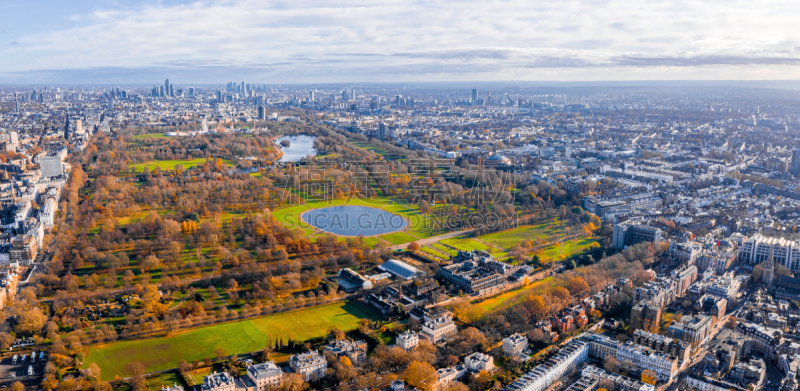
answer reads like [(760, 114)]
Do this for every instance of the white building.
[(448, 375), (437, 329), (664, 365), (48, 212), (514, 345), (311, 365), (218, 382), (478, 361), (544, 375), (265, 375), (53, 163), (757, 249), (408, 340)]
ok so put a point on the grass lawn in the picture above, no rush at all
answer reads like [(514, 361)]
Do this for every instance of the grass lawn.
[(511, 237), (148, 135), (444, 249), (492, 303), (398, 237), (570, 248), (170, 164), (239, 337)]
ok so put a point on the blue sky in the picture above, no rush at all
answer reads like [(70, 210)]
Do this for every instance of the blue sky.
[(213, 41)]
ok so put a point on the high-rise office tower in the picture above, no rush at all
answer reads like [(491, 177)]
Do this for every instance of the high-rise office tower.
[(381, 131), (796, 161), (311, 96), (244, 88), (397, 99), (219, 96), (171, 92), (262, 114), (474, 96), (345, 96), (166, 87), (191, 91)]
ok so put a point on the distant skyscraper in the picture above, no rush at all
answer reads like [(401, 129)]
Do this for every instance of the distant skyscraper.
[(171, 92), (191, 91), (311, 96), (796, 161), (244, 88), (219, 96), (262, 114), (397, 99), (345, 96), (381, 131), (166, 87), (474, 96)]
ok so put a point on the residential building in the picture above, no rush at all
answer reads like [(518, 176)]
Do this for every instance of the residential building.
[(684, 276), (645, 316), (694, 330), (515, 344), (407, 340), (437, 329), (478, 361), (356, 351), (626, 234), (52, 164), (591, 376), (448, 375), (311, 365), (265, 375), (663, 365), (544, 375), (221, 381)]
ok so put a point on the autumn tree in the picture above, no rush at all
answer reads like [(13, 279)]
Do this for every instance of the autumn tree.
[(577, 286), (421, 375), (293, 382), (649, 377), (413, 246)]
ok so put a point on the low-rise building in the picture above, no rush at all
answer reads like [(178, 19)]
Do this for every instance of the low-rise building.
[(437, 329), (407, 340), (514, 345), (694, 330), (265, 375), (311, 365), (448, 375), (478, 361), (663, 365), (356, 351), (221, 381)]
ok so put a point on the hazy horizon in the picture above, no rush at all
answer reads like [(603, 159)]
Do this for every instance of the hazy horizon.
[(306, 42)]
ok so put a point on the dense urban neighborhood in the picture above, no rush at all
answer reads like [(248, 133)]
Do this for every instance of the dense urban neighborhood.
[(253, 237)]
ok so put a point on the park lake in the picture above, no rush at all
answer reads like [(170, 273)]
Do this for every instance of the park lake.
[(300, 146)]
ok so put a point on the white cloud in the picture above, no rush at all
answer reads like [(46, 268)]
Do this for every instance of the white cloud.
[(312, 41)]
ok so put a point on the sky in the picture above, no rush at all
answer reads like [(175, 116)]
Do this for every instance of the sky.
[(335, 41)]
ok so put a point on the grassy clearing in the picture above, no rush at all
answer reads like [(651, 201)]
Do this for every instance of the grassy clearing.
[(511, 237), (148, 135), (239, 337), (492, 303), (166, 165), (444, 249), (398, 237), (571, 248)]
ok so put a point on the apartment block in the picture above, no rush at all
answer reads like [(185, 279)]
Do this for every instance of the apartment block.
[(407, 340)]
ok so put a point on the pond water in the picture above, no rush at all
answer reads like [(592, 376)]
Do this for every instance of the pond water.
[(300, 146), (353, 220)]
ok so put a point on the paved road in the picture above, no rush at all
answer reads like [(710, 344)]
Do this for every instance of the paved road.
[(432, 239)]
